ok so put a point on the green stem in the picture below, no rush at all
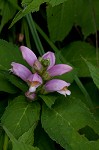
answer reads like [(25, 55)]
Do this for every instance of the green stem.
[(6, 140), (25, 29), (35, 34), (46, 38)]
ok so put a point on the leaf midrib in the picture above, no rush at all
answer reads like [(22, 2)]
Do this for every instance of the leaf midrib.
[(18, 123)]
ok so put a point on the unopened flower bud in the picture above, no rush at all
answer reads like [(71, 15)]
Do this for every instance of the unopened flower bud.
[(45, 62)]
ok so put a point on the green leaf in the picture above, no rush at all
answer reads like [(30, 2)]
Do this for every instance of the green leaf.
[(60, 20), (28, 137), (18, 83), (94, 71), (7, 11), (49, 99), (22, 146), (67, 121), (20, 116), (87, 15), (14, 81), (6, 86), (74, 52), (33, 6), (9, 53), (77, 93), (18, 145), (10, 83)]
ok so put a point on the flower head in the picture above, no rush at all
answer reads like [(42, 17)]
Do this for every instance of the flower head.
[(42, 70)]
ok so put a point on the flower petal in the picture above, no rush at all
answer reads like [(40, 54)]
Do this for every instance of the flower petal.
[(29, 95), (20, 70), (32, 89), (59, 70), (28, 55), (51, 57), (64, 92), (35, 78), (55, 85)]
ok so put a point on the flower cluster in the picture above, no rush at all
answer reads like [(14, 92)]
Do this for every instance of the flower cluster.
[(41, 74)]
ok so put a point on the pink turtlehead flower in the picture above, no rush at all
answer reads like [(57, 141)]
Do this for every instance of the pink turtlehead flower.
[(43, 67), (20, 70), (57, 85), (34, 80)]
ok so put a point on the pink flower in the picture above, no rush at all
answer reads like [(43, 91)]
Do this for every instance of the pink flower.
[(57, 85), (20, 70), (43, 68), (34, 80)]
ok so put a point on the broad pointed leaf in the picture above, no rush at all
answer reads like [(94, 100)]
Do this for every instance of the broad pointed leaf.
[(94, 71), (49, 99), (28, 137), (20, 116), (66, 123), (32, 6), (60, 20), (7, 11), (18, 145)]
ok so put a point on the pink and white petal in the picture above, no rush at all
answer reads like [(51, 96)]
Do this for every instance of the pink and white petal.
[(20, 70), (55, 85), (35, 77), (29, 95), (32, 89), (28, 55), (51, 57), (68, 92), (64, 92), (59, 70)]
